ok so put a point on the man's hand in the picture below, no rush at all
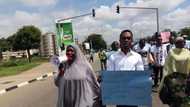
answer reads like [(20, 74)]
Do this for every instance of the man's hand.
[(99, 78)]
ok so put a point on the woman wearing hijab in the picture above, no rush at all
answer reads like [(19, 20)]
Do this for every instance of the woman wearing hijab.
[(176, 69), (76, 81), (178, 60)]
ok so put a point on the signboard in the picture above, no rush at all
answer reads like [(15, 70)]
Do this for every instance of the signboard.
[(64, 32), (165, 36), (126, 88)]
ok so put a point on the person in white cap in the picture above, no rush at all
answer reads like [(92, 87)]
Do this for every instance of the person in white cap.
[(177, 61), (159, 53)]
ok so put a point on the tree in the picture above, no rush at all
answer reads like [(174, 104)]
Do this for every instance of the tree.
[(1, 56), (10, 41), (3, 47), (26, 38), (174, 33), (167, 30), (96, 41), (185, 31), (3, 44)]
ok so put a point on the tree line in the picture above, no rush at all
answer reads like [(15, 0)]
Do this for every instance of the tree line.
[(26, 38)]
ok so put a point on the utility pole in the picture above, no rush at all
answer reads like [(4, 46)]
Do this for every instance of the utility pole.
[(93, 13), (145, 8)]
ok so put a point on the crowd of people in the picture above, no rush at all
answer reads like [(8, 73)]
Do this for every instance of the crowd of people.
[(78, 85)]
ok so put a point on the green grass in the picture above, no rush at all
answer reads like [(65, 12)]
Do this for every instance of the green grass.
[(7, 71), (16, 66)]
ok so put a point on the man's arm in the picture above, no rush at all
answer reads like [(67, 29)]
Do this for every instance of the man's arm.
[(139, 65), (152, 49), (110, 64)]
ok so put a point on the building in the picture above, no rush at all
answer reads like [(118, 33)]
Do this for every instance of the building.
[(48, 44)]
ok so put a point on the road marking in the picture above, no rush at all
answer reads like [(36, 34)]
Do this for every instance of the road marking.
[(25, 83), (32, 80), (11, 88), (2, 92), (39, 78), (50, 74), (22, 84)]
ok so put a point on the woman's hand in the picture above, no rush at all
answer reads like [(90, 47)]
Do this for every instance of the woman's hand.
[(61, 72), (61, 69)]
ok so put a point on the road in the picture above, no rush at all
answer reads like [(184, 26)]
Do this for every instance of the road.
[(43, 94), (38, 94)]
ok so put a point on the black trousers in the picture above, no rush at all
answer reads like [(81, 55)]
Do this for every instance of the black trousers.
[(103, 64), (158, 72), (121, 106), (91, 59), (125, 106)]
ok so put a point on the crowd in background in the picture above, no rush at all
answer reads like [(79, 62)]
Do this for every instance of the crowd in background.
[(152, 50), (169, 63), (161, 58)]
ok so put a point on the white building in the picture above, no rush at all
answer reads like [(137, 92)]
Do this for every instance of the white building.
[(48, 44)]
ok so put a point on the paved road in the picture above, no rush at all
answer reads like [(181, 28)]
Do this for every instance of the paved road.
[(43, 94), (25, 76), (38, 94)]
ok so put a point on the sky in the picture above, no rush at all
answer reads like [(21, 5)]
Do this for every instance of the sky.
[(173, 14)]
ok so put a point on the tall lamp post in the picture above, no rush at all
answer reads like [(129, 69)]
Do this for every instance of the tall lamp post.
[(145, 8), (93, 13)]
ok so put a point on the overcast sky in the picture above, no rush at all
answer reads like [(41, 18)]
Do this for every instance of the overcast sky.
[(173, 14)]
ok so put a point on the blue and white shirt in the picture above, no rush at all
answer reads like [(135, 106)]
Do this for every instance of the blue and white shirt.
[(160, 54)]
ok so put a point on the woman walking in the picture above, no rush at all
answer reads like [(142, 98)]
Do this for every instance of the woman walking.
[(76, 81)]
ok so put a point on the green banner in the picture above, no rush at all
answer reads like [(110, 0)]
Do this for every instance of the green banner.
[(64, 33)]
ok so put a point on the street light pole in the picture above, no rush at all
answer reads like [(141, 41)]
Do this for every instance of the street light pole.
[(87, 14), (157, 18), (74, 17), (148, 8)]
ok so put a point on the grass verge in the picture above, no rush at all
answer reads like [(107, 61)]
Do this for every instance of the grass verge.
[(17, 66)]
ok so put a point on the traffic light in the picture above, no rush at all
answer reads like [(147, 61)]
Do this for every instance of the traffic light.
[(93, 13), (117, 9)]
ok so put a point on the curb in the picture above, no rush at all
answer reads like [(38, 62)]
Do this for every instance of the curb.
[(25, 83)]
